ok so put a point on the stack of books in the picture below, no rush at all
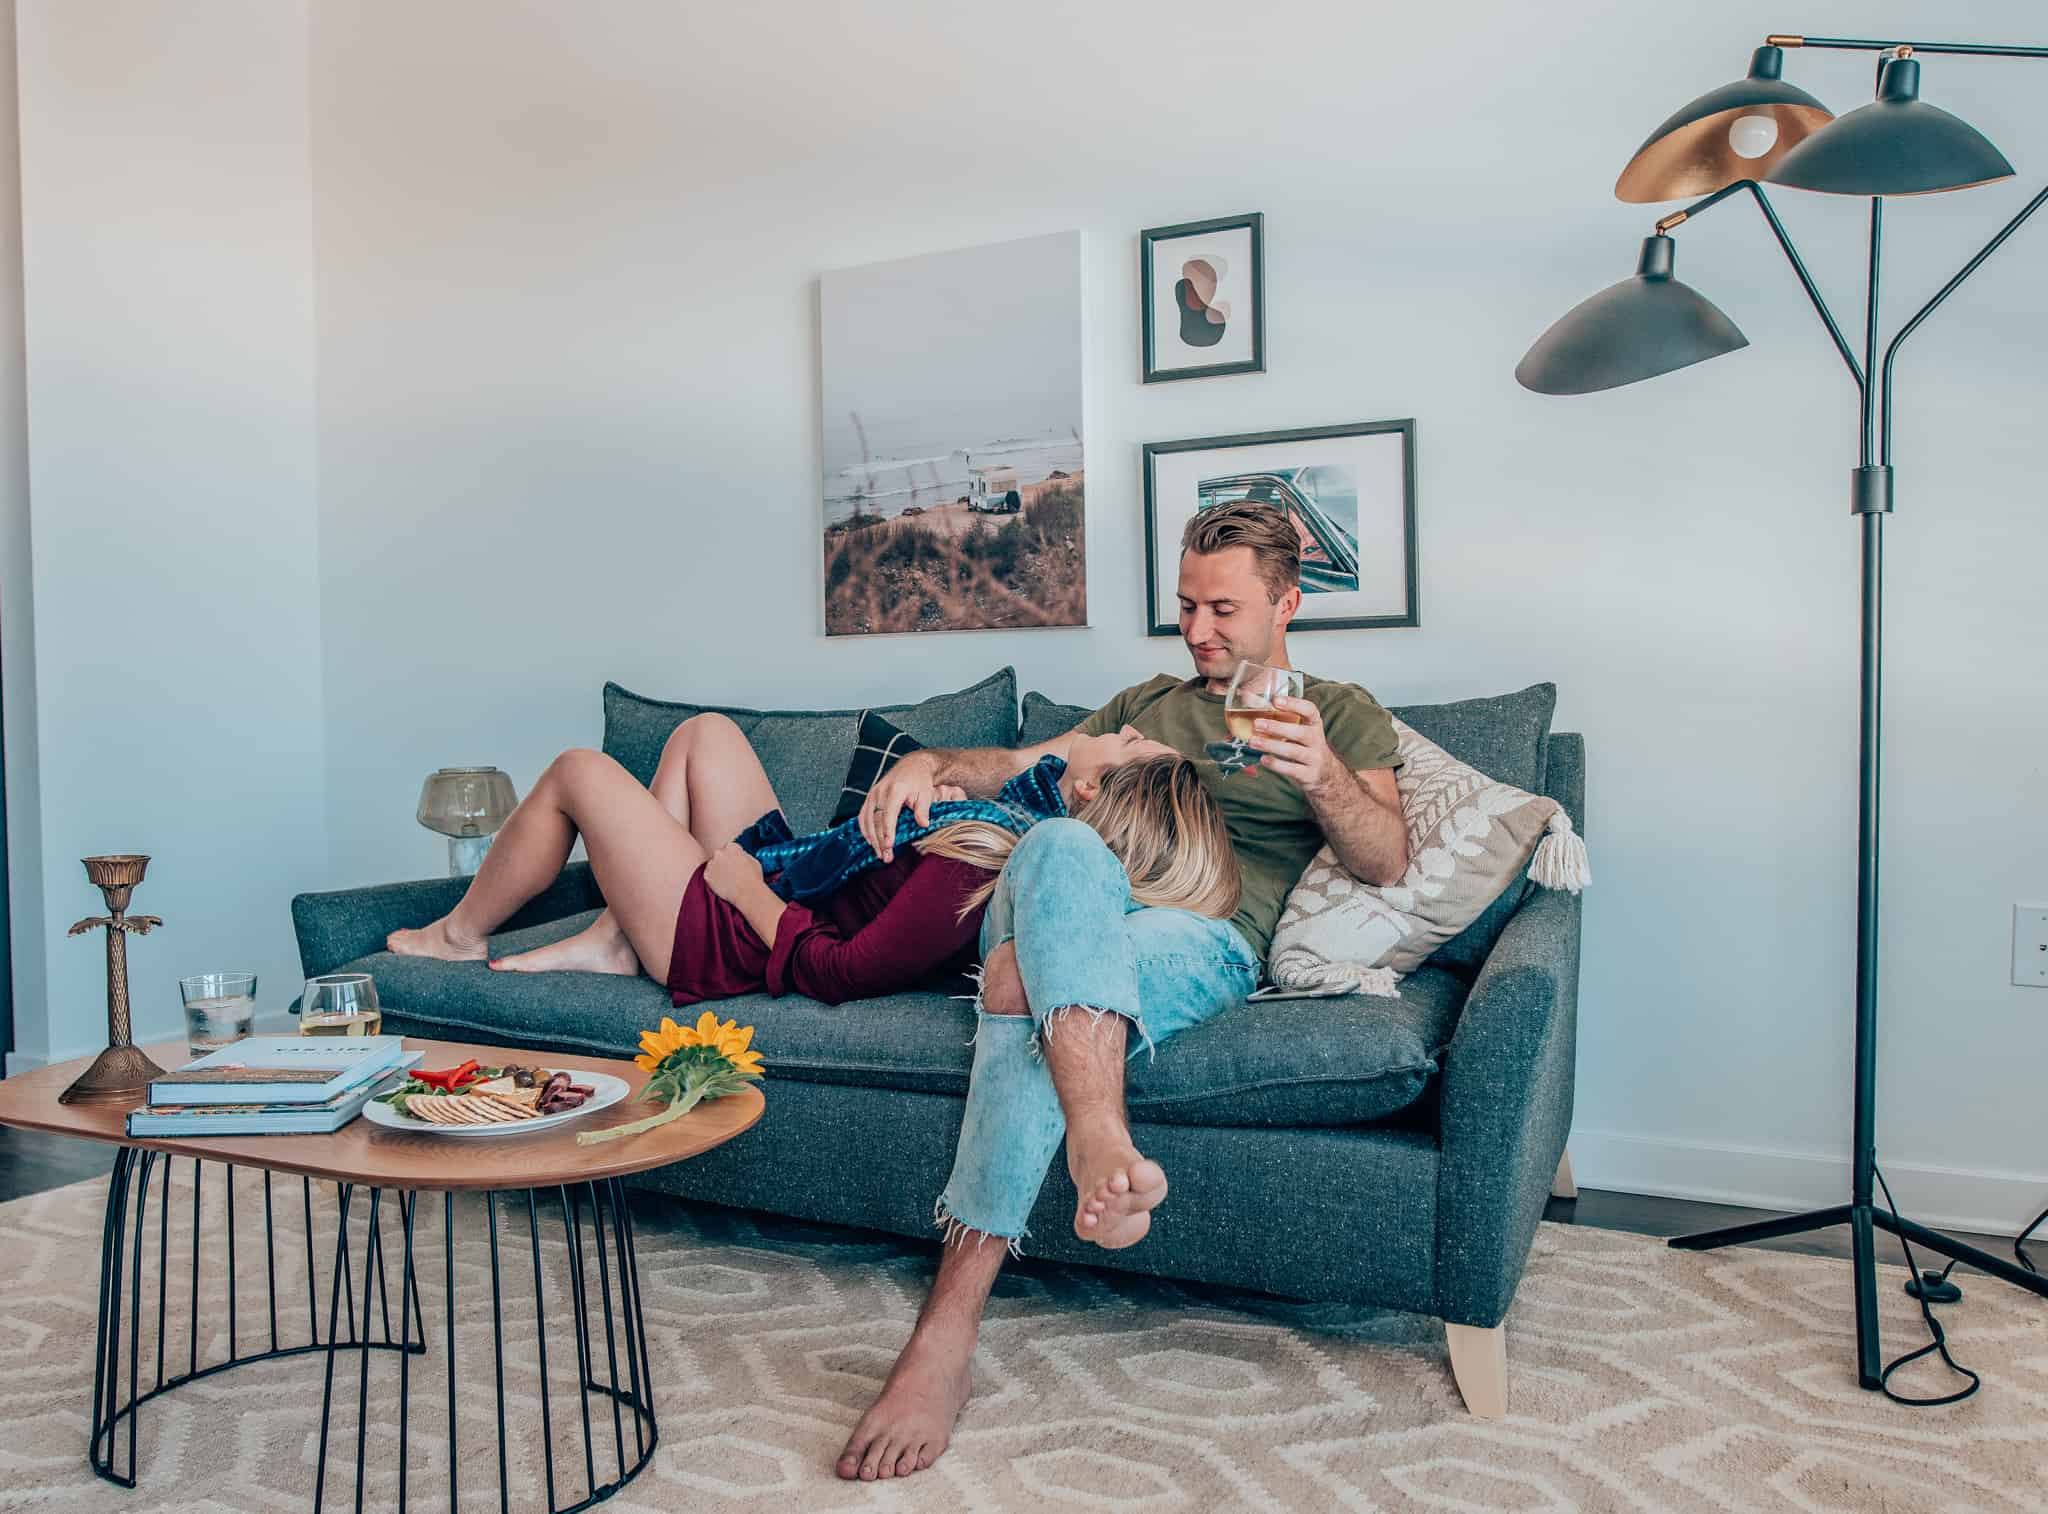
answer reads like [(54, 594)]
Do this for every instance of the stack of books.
[(274, 1085)]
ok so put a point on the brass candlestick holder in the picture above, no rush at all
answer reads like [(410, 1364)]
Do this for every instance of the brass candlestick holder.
[(121, 1071)]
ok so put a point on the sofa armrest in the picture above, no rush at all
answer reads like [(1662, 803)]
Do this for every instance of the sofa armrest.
[(1506, 1108), (338, 927)]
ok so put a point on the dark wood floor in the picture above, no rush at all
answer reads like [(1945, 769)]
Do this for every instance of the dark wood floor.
[(31, 1162)]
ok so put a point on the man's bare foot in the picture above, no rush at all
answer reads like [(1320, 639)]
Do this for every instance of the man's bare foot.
[(1119, 1187), (436, 940), (601, 947), (910, 1423)]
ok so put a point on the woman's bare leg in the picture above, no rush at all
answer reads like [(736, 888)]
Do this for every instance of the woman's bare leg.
[(711, 781), (641, 855)]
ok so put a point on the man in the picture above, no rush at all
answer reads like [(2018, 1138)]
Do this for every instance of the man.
[(1062, 934)]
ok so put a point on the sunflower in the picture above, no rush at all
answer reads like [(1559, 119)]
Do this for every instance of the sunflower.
[(730, 1040), (689, 1064), (655, 1045)]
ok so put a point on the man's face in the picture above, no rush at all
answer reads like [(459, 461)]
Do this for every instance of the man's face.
[(1225, 613)]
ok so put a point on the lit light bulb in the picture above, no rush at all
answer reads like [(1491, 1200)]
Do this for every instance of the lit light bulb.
[(1752, 136)]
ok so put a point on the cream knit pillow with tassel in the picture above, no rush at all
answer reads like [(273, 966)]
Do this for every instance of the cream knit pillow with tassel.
[(1468, 839)]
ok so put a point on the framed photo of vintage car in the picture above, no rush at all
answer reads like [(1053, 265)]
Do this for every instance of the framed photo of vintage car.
[(1348, 489)]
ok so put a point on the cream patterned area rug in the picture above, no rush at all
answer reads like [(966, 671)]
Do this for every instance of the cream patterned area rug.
[(1641, 1379)]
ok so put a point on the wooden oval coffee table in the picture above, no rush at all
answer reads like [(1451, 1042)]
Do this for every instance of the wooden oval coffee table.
[(581, 1188)]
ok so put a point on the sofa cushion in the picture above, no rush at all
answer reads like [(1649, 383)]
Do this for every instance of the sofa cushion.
[(1506, 737), (1300, 1062), (1469, 838), (805, 751), (1043, 719), (877, 747)]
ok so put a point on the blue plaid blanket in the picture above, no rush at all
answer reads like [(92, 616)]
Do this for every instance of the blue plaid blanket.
[(802, 868)]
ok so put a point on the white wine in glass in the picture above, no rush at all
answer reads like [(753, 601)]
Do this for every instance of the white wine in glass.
[(1253, 689), (340, 1004)]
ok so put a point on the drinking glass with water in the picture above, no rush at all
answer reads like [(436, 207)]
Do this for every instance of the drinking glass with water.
[(220, 1009)]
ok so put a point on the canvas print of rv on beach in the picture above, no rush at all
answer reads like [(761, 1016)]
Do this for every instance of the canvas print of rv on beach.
[(954, 480)]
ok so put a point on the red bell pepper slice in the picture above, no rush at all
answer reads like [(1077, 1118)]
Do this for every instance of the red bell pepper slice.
[(452, 1079)]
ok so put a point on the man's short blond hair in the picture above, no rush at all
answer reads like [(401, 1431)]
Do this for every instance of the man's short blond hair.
[(1270, 533)]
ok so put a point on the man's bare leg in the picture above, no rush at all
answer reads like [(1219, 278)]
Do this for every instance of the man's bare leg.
[(711, 781), (911, 1420), (1119, 1186)]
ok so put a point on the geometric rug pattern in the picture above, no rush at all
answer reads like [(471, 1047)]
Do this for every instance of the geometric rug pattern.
[(1640, 1378)]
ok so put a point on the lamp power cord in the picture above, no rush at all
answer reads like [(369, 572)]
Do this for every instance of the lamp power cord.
[(1938, 1337)]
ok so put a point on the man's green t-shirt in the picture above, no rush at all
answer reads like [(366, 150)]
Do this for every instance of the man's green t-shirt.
[(1272, 828)]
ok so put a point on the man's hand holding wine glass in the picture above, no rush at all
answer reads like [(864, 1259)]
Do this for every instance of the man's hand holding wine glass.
[(1296, 746)]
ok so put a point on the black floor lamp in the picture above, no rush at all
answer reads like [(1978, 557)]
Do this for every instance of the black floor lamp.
[(1722, 144)]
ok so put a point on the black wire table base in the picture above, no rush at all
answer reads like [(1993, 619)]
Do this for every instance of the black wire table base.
[(586, 1212)]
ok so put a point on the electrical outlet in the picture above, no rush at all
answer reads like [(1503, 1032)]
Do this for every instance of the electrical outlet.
[(2030, 945)]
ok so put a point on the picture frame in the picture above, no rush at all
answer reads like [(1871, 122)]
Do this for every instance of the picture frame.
[(1202, 298), (1351, 490), (950, 504)]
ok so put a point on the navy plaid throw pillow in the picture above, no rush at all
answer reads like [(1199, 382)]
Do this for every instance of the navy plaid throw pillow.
[(876, 748)]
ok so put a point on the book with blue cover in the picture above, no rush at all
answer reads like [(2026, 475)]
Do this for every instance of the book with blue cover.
[(270, 1119), (278, 1070)]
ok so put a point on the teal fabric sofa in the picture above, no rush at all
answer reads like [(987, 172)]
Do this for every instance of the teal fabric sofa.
[(1388, 1152)]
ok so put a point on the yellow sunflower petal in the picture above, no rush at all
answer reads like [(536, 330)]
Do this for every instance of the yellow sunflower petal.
[(647, 1063), (707, 1028)]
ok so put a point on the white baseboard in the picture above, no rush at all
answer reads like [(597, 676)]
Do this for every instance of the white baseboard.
[(1992, 1203), (19, 1062)]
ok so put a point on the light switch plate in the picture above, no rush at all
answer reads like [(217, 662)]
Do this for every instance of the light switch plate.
[(2030, 945)]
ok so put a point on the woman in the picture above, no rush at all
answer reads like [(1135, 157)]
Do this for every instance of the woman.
[(888, 928)]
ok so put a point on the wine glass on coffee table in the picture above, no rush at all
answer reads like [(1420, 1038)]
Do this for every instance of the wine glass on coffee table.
[(340, 1004)]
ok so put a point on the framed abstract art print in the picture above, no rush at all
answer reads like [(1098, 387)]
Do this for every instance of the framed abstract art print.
[(1204, 298)]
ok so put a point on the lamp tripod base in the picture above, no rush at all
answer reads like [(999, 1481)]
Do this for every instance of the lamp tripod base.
[(1863, 1221), (119, 1072)]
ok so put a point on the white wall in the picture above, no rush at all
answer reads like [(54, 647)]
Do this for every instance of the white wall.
[(17, 616), (168, 255), (567, 430)]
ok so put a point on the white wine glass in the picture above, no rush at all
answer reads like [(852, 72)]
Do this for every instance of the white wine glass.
[(340, 1004), (1255, 689)]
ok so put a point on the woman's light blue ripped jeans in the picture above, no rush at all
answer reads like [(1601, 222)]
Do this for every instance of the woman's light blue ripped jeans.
[(1082, 942)]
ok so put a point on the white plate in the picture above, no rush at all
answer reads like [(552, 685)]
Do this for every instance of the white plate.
[(608, 1090)]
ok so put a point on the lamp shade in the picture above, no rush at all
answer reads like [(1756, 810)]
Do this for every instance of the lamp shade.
[(1630, 331), (1736, 132), (466, 801), (1896, 145)]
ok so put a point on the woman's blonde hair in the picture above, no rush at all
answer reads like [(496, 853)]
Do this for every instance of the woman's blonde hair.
[(1157, 819)]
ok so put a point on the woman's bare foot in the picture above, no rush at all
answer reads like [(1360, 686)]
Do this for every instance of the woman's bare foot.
[(1119, 1187), (436, 940), (600, 947), (910, 1423)]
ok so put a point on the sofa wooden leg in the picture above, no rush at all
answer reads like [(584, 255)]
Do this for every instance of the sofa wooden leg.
[(1562, 1186), (1479, 1362)]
